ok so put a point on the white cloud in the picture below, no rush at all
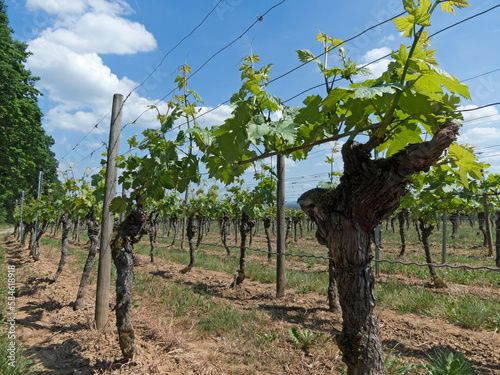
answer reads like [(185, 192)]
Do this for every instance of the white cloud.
[(483, 116), (61, 117), (474, 130), (57, 7), (376, 53), (67, 58), (387, 39), (63, 8), (102, 33), (479, 135), (74, 79), (378, 67), (214, 117)]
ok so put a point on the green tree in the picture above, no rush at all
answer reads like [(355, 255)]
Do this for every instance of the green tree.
[(24, 146)]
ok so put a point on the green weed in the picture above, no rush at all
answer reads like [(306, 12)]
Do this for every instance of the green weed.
[(448, 363), (306, 339)]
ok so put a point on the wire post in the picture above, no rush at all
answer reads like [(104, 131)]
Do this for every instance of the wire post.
[(184, 218), (21, 219), (104, 271), (443, 249), (487, 224), (378, 237), (33, 250), (280, 219)]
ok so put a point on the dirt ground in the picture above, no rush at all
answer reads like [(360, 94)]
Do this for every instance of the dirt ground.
[(62, 341)]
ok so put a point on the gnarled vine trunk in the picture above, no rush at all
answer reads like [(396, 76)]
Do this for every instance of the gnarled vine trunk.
[(426, 232), (267, 225), (246, 227), (190, 234), (332, 288), (93, 229), (418, 232), (223, 232), (153, 231), (295, 221), (402, 234), (29, 228), (201, 230), (66, 227), (35, 249), (481, 221), (128, 232), (497, 240), (454, 218), (288, 221), (174, 220), (346, 216)]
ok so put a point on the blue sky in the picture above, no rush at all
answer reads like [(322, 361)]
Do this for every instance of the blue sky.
[(84, 51)]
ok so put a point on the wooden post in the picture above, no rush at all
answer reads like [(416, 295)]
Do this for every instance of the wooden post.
[(104, 271), (443, 249), (280, 218), (487, 225), (33, 251), (21, 219), (378, 233), (184, 219), (497, 240)]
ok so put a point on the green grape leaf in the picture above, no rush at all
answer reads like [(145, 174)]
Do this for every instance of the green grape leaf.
[(167, 124), (256, 132), (311, 112), (305, 56), (118, 204), (285, 130), (380, 88), (334, 98), (466, 162), (401, 138), (448, 5)]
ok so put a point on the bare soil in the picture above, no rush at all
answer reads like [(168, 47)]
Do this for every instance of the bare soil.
[(62, 341)]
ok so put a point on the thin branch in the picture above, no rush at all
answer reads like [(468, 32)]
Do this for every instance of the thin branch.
[(312, 144)]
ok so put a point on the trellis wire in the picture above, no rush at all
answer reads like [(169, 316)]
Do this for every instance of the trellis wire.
[(312, 256)]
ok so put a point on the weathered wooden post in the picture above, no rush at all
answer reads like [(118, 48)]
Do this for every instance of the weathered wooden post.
[(104, 271), (280, 218)]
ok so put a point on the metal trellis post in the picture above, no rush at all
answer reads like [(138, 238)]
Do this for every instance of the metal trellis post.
[(40, 176)]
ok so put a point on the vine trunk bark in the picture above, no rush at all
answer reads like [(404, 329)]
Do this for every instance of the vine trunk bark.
[(267, 225), (426, 232), (175, 222), (333, 305), (246, 226), (93, 228), (402, 234), (497, 240), (66, 227), (128, 232), (481, 221), (190, 233), (454, 218), (368, 192), (223, 232)]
